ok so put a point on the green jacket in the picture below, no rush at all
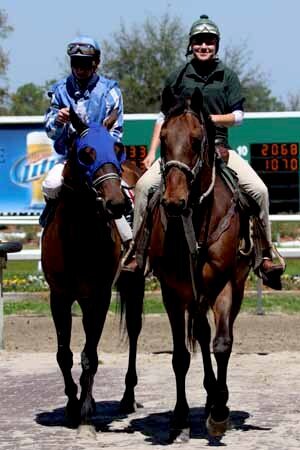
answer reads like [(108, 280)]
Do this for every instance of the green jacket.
[(220, 87)]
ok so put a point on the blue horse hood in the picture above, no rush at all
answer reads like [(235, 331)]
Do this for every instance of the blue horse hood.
[(97, 137)]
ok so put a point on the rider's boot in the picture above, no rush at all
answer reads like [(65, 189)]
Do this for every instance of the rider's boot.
[(271, 272)]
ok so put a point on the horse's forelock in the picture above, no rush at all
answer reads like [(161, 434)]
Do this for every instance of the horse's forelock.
[(178, 108)]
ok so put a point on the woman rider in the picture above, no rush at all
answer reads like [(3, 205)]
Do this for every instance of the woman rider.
[(223, 100)]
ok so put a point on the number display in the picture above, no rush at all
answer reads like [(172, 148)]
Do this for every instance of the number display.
[(275, 157), (277, 163), (136, 153)]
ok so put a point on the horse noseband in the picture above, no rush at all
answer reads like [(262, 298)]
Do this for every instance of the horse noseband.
[(191, 173), (98, 181)]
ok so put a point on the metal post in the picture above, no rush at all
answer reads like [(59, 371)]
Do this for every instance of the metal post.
[(259, 304), (2, 266)]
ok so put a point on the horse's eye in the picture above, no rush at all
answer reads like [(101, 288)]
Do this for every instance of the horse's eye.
[(162, 149), (87, 156), (196, 143)]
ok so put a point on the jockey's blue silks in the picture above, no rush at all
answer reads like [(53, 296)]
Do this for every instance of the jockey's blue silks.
[(98, 138)]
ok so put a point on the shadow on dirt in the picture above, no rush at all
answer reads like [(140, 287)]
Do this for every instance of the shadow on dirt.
[(106, 412), (155, 427)]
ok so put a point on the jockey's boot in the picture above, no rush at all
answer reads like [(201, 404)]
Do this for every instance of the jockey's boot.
[(48, 211), (271, 273), (129, 263)]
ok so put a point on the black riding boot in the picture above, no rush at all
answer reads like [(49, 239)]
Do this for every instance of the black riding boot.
[(48, 212)]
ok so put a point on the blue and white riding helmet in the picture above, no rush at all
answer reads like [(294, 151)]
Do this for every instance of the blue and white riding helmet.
[(85, 47)]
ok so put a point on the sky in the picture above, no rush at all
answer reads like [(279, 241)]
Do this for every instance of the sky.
[(42, 31)]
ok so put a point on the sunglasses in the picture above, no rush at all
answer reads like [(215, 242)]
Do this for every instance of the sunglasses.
[(202, 39), (84, 49)]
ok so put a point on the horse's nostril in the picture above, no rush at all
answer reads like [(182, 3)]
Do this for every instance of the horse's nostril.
[(117, 209), (174, 208)]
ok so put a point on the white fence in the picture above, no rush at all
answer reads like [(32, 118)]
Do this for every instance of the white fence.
[(35, 254)]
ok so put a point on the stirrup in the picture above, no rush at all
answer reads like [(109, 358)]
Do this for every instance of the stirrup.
[(272, 277)]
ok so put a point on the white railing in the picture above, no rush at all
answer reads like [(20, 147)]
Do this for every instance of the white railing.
[(34, 219), (34, 254)]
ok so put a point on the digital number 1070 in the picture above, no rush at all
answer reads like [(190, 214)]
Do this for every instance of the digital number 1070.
[(285, 164)]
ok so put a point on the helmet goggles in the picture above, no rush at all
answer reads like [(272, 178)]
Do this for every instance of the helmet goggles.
[(81, 50)]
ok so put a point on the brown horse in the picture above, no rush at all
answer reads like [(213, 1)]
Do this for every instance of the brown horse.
[(194, 251), (81, 251)]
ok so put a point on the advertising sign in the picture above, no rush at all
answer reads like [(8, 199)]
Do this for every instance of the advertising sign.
[(27, 154), (270, 142)]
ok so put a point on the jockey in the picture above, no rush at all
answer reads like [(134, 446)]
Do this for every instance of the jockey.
[(223, 100), (94, 98)]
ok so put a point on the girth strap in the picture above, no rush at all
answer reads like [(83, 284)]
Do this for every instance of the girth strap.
[(225, 221)]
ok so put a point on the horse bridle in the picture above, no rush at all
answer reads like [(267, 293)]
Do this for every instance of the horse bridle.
[(190, 172), (100, 180)]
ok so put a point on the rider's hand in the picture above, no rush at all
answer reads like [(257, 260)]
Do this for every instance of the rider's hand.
[(148, 161), (63, 116)]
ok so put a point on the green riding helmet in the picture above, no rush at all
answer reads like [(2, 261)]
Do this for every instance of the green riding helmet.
[(204, 25)]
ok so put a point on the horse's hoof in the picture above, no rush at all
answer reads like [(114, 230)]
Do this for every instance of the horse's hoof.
[(217, 429), (179, 436), (129, 407), (72, 413)]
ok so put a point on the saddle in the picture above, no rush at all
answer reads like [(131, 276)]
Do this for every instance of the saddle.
[(246, 205)]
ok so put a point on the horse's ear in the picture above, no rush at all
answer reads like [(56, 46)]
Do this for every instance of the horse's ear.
[(120, 150), (77, 123), (196, 103), (168, 99)]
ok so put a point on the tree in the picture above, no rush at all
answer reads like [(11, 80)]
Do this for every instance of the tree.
[(28, 100), (254, 82), (142, 58), (5, 29), (293, 101)]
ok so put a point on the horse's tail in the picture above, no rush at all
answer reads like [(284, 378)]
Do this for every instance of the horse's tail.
[(130, 288)]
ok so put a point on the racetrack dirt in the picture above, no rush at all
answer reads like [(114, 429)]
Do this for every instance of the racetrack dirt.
[(253, 333), (263, 379)]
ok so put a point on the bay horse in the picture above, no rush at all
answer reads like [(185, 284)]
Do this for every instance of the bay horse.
[(81, 251), (194, 251)]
